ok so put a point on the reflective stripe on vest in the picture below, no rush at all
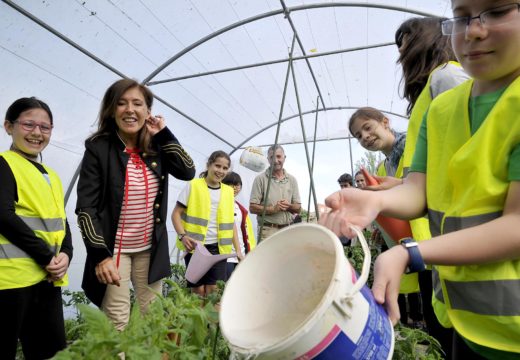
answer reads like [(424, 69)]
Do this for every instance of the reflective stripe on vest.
[(195, 218), (435, 220), (250, 233), (481, 296), (456, 223), (40, 206), (467, 185), (439, 307), (11, 251), (436, 282), (47, 225)]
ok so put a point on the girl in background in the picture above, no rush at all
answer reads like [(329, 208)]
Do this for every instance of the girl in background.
[(35, 239), (246, 236), (372, 129), (205, 213)]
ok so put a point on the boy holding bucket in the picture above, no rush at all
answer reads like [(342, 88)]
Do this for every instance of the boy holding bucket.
[(466, 175)]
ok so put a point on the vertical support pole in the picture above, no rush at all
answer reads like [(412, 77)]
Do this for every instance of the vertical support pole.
[(350, 153), (313, 153), (261, 222), (309, 165)]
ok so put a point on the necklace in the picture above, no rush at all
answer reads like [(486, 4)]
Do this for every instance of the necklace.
[(120, 138)]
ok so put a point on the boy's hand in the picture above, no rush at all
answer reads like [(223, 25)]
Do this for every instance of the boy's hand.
[(349, 206), (388, 269)]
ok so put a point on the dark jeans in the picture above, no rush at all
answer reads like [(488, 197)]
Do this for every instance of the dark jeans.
[(34, 315), (435, 329), (230, 267)]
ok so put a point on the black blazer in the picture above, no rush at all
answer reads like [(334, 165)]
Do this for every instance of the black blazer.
[(100, 198)]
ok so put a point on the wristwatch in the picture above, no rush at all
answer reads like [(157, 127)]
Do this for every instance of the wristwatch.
[(416, 263), (181, 236)]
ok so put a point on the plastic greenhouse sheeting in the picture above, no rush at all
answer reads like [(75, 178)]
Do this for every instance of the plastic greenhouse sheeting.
[(218, 69)]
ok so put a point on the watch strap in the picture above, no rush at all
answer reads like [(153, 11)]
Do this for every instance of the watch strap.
[(416, 262)]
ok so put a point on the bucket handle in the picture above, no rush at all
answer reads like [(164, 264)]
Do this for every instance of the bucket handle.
[(365, 270)]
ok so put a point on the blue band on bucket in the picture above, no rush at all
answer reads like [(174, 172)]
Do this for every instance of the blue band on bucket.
[(416, 263)]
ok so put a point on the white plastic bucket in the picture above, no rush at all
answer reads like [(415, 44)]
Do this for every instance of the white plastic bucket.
[(297, 297), (253, 158)]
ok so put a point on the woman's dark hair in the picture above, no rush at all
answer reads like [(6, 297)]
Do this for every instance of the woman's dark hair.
[(106, 120), (232, 178), (365, 113), (213, 158), (24, 104), (425, 49)]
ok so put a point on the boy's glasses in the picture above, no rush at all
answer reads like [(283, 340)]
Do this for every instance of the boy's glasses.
[(495, 16), (31, 125)]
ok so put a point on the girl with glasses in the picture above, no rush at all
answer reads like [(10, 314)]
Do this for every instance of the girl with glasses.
[(35, 239), (466, 175)]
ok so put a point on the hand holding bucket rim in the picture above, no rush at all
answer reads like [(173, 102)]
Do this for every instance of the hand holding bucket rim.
[(365, 270), (338, 319), (384, 288)]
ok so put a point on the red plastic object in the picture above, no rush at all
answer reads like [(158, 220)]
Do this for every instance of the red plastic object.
[(397, 229)]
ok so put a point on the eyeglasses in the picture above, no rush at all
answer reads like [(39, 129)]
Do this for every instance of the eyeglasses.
[(495, 16), (31, 125)]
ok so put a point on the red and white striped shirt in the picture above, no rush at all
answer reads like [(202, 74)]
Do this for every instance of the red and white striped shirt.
[(136, 221)]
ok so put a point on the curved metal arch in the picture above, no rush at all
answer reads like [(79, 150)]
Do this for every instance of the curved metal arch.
[(273, 13), (239, 146), (270, 62)]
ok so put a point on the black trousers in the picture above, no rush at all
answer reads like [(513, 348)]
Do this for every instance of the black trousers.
[(435, 329), (413, 310), (461, 351), (34, 315)]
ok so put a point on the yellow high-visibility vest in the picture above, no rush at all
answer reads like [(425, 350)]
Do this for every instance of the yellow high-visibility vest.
[(420, 227), (41, 207), (467, 185), (195, 218)]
